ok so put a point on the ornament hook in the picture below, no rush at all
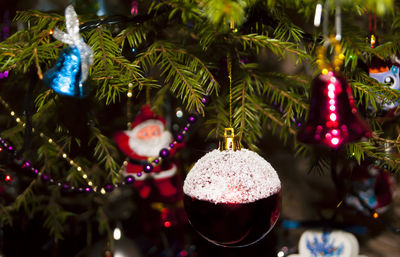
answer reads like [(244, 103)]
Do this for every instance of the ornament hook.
[(229, 141), (338, 56)]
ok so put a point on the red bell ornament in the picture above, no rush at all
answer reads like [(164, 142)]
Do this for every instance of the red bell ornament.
[(333, 118)]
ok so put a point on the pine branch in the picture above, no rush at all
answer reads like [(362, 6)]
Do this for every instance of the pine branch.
[(279, 48), (55, 217), (103, 152)]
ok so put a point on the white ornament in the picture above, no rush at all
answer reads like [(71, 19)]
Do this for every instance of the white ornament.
[(231, 177)]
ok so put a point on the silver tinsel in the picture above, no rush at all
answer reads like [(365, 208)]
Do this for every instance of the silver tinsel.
[(73, 38)]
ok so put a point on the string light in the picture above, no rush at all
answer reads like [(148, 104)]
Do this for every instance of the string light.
[(117, 233), (8, 178), (103, 190)]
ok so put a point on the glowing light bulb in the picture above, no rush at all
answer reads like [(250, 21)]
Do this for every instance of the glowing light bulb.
[(332, 117), (117, 233), (331, 87), (332, 102), (317, 17), (331, 94), (179, 113), (335, 132), (335, 141), (332, 108)]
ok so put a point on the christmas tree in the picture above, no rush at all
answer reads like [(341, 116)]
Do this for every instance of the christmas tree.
[(104, 113)]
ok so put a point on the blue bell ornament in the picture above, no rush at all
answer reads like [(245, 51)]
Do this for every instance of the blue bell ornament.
[(69, 75)]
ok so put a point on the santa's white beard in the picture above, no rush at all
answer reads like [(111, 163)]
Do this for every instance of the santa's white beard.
[(150, 147)]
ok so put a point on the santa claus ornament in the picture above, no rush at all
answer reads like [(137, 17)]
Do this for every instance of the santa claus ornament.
[(148, 142), (232, 196)]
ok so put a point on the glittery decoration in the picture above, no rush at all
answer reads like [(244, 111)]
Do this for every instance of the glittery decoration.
[(231, 177), (74, 39), (66, 76)]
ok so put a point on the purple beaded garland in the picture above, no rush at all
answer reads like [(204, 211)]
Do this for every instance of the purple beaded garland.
[(164, 153), (205, 99), (179, 138), (129, 179), (65, 186), (109, 187), (192, 119), (147, 168), (45, 177)]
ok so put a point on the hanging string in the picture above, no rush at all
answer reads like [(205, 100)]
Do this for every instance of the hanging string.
[(129, 105), (338, 21), (318, 13), (370, 25), (325, 22), (229, 63)]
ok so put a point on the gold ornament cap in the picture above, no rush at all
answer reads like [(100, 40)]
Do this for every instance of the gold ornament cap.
[(229, 141)]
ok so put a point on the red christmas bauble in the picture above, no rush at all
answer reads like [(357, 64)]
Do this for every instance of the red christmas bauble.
[(232, 198)]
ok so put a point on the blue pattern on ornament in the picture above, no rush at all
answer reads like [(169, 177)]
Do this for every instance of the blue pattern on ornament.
[(66, 76), (324, 246)]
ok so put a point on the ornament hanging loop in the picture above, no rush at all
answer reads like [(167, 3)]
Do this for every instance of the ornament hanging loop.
[(372, 29), (229, 141), (338, 58), (229, 67), (325, 24)]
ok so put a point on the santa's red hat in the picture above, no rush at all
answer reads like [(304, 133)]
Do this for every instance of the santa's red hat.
[(146, 113)]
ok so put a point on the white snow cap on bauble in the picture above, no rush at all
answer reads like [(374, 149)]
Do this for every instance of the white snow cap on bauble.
[(240, 176)]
